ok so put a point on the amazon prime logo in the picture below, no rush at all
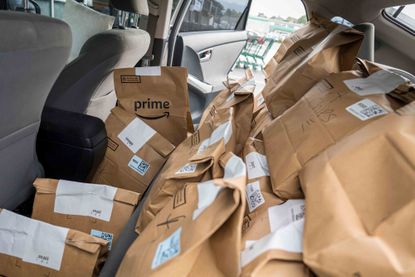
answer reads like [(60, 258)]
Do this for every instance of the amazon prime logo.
[(153, 105)]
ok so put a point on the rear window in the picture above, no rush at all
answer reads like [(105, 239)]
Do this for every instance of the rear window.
[(404, 16), (209, 15)]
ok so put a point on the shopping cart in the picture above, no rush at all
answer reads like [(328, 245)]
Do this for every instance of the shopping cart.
[(254, 53)]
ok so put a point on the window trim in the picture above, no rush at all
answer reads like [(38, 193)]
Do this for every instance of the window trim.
[(398, 23)]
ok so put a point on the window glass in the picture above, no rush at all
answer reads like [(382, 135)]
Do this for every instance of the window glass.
[(269, 23), (405, 15), (102, 6), (208, 15), (340, 20)]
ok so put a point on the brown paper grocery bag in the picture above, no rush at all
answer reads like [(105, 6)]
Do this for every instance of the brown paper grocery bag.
[(176, 174), (135, 153), (196, 233), (312, 33), (158, 96), (33, 248), (301, 70), (218, 134), (327, 113), (235, 91), (259, 194), (102, 212), (275, 241), (262, 255), (235, 102), (360, 202)]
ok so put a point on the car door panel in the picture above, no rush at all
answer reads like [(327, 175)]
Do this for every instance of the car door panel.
[(209, 56)]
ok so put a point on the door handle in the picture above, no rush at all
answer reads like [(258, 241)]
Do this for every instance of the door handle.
[(205, 55)]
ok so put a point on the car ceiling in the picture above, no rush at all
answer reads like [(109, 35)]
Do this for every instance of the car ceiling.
[(394, 46)]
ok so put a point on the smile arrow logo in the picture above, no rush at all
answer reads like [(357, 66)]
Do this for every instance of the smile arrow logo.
[(165, 114)]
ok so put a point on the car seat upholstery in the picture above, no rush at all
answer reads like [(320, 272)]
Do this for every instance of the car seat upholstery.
[(33, 50), (86, 84), (85, 23)]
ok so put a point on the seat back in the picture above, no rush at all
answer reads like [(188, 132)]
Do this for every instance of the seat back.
[(86, 84), (33, 50)]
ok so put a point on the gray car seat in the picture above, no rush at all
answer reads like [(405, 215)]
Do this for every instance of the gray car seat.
[(86, 84), (33, 50)]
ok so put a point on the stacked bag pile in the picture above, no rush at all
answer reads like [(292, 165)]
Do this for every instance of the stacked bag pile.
[(313, 176)]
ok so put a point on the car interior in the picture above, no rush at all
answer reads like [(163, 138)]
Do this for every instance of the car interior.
[(57, 88)]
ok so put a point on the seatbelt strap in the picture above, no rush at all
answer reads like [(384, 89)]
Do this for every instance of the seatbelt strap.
[(151, 29)]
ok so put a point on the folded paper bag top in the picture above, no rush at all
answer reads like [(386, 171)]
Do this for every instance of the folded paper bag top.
[(195, 236), (328, 112), (34, 248), (298, 72), (362, 192), (158, 96), (134, 155), (312, 33), (98, 210)]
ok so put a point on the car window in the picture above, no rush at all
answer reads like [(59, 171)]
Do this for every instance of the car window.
[(209, 15), (340, 20), (403, 15)]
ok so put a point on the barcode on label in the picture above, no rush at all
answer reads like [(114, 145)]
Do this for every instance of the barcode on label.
[(187, 169), (285, 214), (103, 235), (366, 109), (139, 165), (167, 249), (297, 212), (254, 196)]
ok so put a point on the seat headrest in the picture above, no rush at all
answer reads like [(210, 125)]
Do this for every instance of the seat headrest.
[(367, 49), (134, 6)]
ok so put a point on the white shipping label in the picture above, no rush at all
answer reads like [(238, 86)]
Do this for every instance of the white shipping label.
[(254, 196), (366, 109), (31, 240), (136, 134), (167, 249), (288, 238), (187, 169), (223, 131), (148, 71), (74, 198), (286, 213), (103, 235), (13, 232), (256, 165), (139, 165), (206, 195), (45, 245), (380, 82), (234, 168)]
